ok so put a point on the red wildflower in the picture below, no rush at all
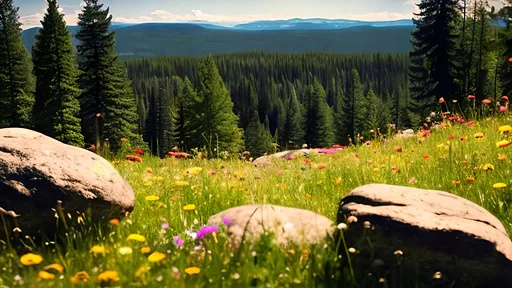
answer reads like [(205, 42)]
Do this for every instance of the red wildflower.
[(337, 146), (471, 97), (504, 98), (471, 124), (246, 153), (398, 149), (486, 101), (356, 155), (395, 170), (426, 156), (374, 151), (320, 166), (133, 158), (461, 120), (441, 100), (178, 154), (503, 109), (139, 151), (98, 115), (307, 162), (426, 133), (451, 136), (452, 118)]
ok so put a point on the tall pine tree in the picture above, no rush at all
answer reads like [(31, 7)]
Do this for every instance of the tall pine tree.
[(107, 93), (16, 80), (434, 52), (293, 128), (319, 125), (56, 109), (214, 124)]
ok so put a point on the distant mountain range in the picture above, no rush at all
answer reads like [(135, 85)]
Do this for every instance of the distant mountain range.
[(294, 35)]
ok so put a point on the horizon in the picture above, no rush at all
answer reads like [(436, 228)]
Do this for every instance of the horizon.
[(226, 13)]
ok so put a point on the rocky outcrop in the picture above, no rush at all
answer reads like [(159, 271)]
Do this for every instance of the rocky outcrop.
[(427, 232), (289, 225), (37, 172)]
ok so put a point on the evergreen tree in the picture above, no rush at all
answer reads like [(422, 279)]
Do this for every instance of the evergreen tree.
[(358, 105), (293, 129), (16, 80), (372, 112), (258, 140), (507, 64), (434, 49), (319, 123), (107, 92), (56, 109), (214, 124)]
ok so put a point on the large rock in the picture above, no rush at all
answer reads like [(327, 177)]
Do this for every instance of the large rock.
[(289, 225), (286, 155), (37, 171), (438, 231)]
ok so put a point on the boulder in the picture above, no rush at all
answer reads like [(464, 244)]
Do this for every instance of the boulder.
[(286, 155), (37, 172), (425, 231), (289, 225), (406, 133)]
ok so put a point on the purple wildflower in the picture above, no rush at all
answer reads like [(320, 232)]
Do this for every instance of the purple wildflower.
[(165, 225), (226, 221), (206, 230), (178, 241)]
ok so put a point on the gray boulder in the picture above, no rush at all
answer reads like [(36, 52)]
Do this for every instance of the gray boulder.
[(426, 231), (37, 172)]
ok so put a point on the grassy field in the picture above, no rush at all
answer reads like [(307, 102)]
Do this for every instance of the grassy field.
[(172, 195)]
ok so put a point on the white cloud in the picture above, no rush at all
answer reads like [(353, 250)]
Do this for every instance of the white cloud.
[(414, 6), (197, 12), (379, 16)]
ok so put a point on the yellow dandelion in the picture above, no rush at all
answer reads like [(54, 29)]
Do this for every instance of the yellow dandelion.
[(337, 181), (136, 237), (189, 207), (109, 276), (488, 167), (80, 277), (182, 183), (145, 250), (31, 259), (152, 198), (98, 249), (479, 135), (502, 144), (505, 129), (156, 257), (192, 270), (55, 266), (43, 275), (125, 250), (499, 185)]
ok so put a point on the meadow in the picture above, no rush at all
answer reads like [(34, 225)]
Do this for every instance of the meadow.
[(153, 247)]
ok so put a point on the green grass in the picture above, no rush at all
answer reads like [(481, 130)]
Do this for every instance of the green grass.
[(238, 182)]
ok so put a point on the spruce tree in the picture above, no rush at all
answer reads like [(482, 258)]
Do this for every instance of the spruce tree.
[(16, 79), (107, 93), (57, 108), (214, 124), (507, 64), (319, 125), (433, 59), (372, 112), (293, 128), (258, 140)]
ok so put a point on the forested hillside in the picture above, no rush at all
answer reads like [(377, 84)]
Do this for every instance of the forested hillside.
[(274, 81)]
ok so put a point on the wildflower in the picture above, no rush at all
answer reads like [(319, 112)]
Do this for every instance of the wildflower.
[(413, 180), (398, 149), (503, 144), (367, 224), (505, 129), (178, 154), (98, 115), (80, 277), (138, 151), (470, 179), (426, 156), (189, 207), (451, 137), (342, 226), (320, 166), (149, 170), (142, 270), (352, 219), (503, 109), (441, 100), (136, 237), (504, 98), (98, 249), (471, 124), (165, 225), (152, 198), (502, 157), (55, 266), (499, 185), (488, 167), (156, 257), (395, 170), (425, 133), (123, 140), (486, 101), (246, 154), (178, 241), (471, 97), (206, 230), (337, 181), (109, 276), (114, 221), (192, 270), (193, 171), (455, 182), (226, 221), (454, 101), (308, 196), (352, 250), (182, 183), (212, 172), (125, 250), (145, 250), (133, 158), (479, 135), (43, 275)]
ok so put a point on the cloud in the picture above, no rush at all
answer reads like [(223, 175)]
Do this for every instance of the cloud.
[(414, 6), (197, 12), (379, 16)]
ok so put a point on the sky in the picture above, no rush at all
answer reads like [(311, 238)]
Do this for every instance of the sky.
[(226, 12)]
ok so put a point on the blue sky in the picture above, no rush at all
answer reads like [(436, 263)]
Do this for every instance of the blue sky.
[(228, 12)]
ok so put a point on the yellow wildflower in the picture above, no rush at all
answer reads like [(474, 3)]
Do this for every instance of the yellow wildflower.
[(114, 221), (502, 144), (505, 129), (109, 276), (148, 184), (136, 237), (55, 266), (31, 259), (125, 250), (98, 249), (80, 277), (157, 178), (193, 171), (182, 183), (479, 135), (499, 185), (152, 198), (145, 250), (142, 270), (192, 270), (43, 275), (337, 181), (156, 257), (502, 157), (488, 167), (189, 207)]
